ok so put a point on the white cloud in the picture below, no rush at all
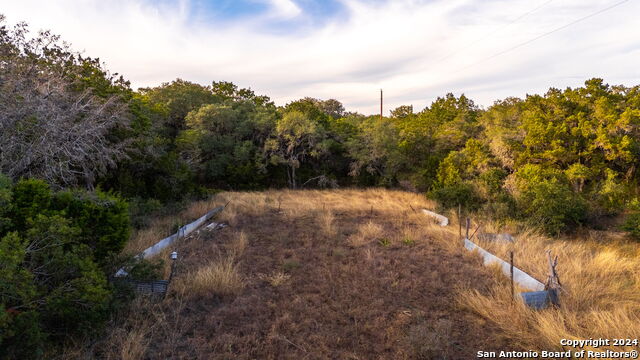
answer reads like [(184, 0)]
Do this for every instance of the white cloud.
[(415, 50), (284, 8)]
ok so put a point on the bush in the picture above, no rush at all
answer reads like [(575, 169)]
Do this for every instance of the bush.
[(51, 287), (30, 198), (552, 206), (632, 225), (490, 183), (54, 254), (463, 194), (102, 218), (612, 194), (141, 211), (5, 204), (21, 337), (500, 208)]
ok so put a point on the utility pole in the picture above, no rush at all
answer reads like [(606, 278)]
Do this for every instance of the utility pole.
[(380, 104)]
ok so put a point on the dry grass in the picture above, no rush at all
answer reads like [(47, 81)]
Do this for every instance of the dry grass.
[(277, 278), (293, 204), (219, 277), (315, 282), (326, 221), (133, 344), (345, 273), (367, 233), (601, 279), (238, 244), (430, 341)]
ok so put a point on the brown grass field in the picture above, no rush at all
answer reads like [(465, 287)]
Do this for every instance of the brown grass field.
[(357, 274), (346, 274)]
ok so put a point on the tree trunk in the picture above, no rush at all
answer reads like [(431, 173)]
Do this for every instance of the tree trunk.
[(293, 176), (289, 176)]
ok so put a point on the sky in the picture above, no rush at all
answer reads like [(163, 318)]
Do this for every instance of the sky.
[(415, 50)]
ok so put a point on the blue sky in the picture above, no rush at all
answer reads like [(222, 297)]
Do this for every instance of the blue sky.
[(415, 50), (238, 10)]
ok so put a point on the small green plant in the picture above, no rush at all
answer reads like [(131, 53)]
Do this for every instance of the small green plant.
[(408, 241), (339, 252), (176, 227), (384, 242), (290, 265), (632, 225)]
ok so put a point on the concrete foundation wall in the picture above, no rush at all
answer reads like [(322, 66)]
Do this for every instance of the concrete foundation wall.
[(520, 277)]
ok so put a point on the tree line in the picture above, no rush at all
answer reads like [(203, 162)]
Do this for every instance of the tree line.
[(558, 161)]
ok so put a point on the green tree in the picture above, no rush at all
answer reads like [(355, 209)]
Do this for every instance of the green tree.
[(374, 150), (402, 111), (178, 98), (297, 138)]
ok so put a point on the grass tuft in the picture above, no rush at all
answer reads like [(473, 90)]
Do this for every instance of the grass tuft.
[(219, 277)]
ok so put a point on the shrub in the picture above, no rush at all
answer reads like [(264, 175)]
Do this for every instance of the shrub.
[(612, 194), (141, 211), (408, 241), (632, 225), (146, 270), (54, 248), (501, 208), (552, 206), (290, 265), (30, 197), (491, 182), (463, 194), (5, 204), (51, 287), (21, 336), (102, 218)]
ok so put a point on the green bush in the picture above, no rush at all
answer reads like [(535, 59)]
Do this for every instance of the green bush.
[(55, 250), (632, 225), (51, 287), (462, 194), (102, 218), (6, 196), (141, 211), (552, 206), (491, 182), (500, 208), (612, 194), (21, 336), (30, 198)]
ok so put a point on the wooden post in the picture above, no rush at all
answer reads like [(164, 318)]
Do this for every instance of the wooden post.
[(468, 225), (512, 289), (553, 281)]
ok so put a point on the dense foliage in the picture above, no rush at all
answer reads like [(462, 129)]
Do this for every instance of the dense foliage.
[(558, 160), (53, 252)]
